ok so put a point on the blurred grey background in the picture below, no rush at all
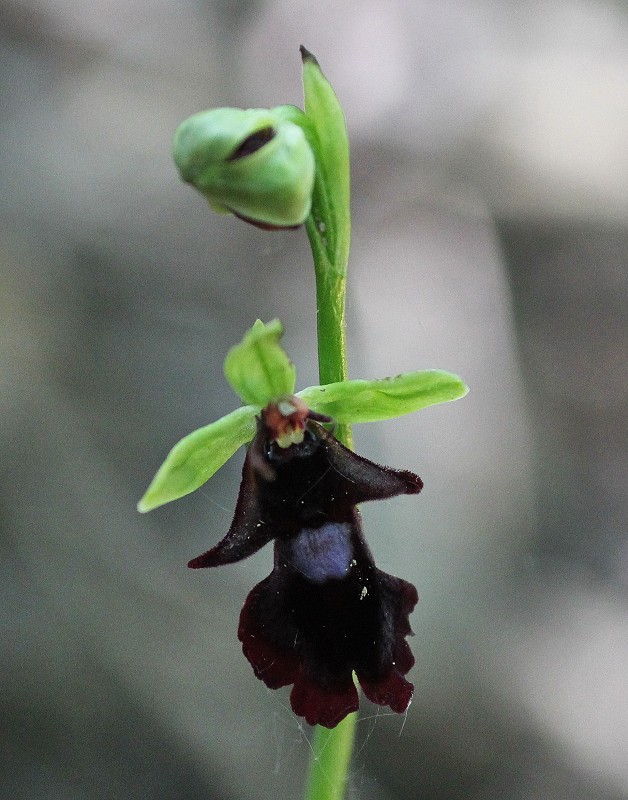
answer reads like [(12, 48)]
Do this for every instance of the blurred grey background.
[(490, 199)]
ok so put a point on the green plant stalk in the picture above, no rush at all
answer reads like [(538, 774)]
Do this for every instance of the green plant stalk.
[(331, 287), (330, 761), (331, 748)]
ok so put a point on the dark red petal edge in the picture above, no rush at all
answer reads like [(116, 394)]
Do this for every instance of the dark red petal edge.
[(321, 706), (277, 665), (393, 691), (272, 664)]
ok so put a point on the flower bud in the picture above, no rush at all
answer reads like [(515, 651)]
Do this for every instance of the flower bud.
[(255, 163)]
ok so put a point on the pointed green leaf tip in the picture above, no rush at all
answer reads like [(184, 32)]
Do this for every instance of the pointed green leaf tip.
[(369, 401), (329, 140), (194, 459), (258, 368)]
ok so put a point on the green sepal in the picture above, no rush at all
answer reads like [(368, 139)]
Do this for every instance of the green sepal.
[(256, 163), (200, 454), (258, 368), (369, 401), (328, 138)]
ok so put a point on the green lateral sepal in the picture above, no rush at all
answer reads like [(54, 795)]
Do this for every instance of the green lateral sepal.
[(194, 459), (354, 401)]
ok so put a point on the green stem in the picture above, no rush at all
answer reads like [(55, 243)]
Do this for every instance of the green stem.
[(331, 287), (331, 758), (331, 749)]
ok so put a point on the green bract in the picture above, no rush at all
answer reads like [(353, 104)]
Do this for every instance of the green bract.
[(256, 163), (259, 370), (327, 133)]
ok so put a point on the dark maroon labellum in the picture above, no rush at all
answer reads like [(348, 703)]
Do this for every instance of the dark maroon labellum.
[(325, 611)]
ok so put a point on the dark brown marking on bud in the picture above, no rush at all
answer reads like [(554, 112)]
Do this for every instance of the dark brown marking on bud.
[(253, 143)]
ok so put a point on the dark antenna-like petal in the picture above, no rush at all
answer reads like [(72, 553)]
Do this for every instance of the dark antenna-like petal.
[(248, 532), (363, 479)]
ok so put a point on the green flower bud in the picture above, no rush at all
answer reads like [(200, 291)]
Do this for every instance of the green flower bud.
[(254, 163)]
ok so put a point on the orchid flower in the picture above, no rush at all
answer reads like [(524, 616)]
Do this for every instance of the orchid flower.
[(325, 612)]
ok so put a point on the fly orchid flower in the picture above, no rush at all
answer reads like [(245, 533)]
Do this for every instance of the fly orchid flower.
[(325, 611)]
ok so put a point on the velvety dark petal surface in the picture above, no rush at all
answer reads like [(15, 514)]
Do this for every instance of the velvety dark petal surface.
[(315, 634), (271, 657), (318, 479), (323, 706), (362, 479), (247, 534), (325, 612), (392, 690), (283, 490)]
